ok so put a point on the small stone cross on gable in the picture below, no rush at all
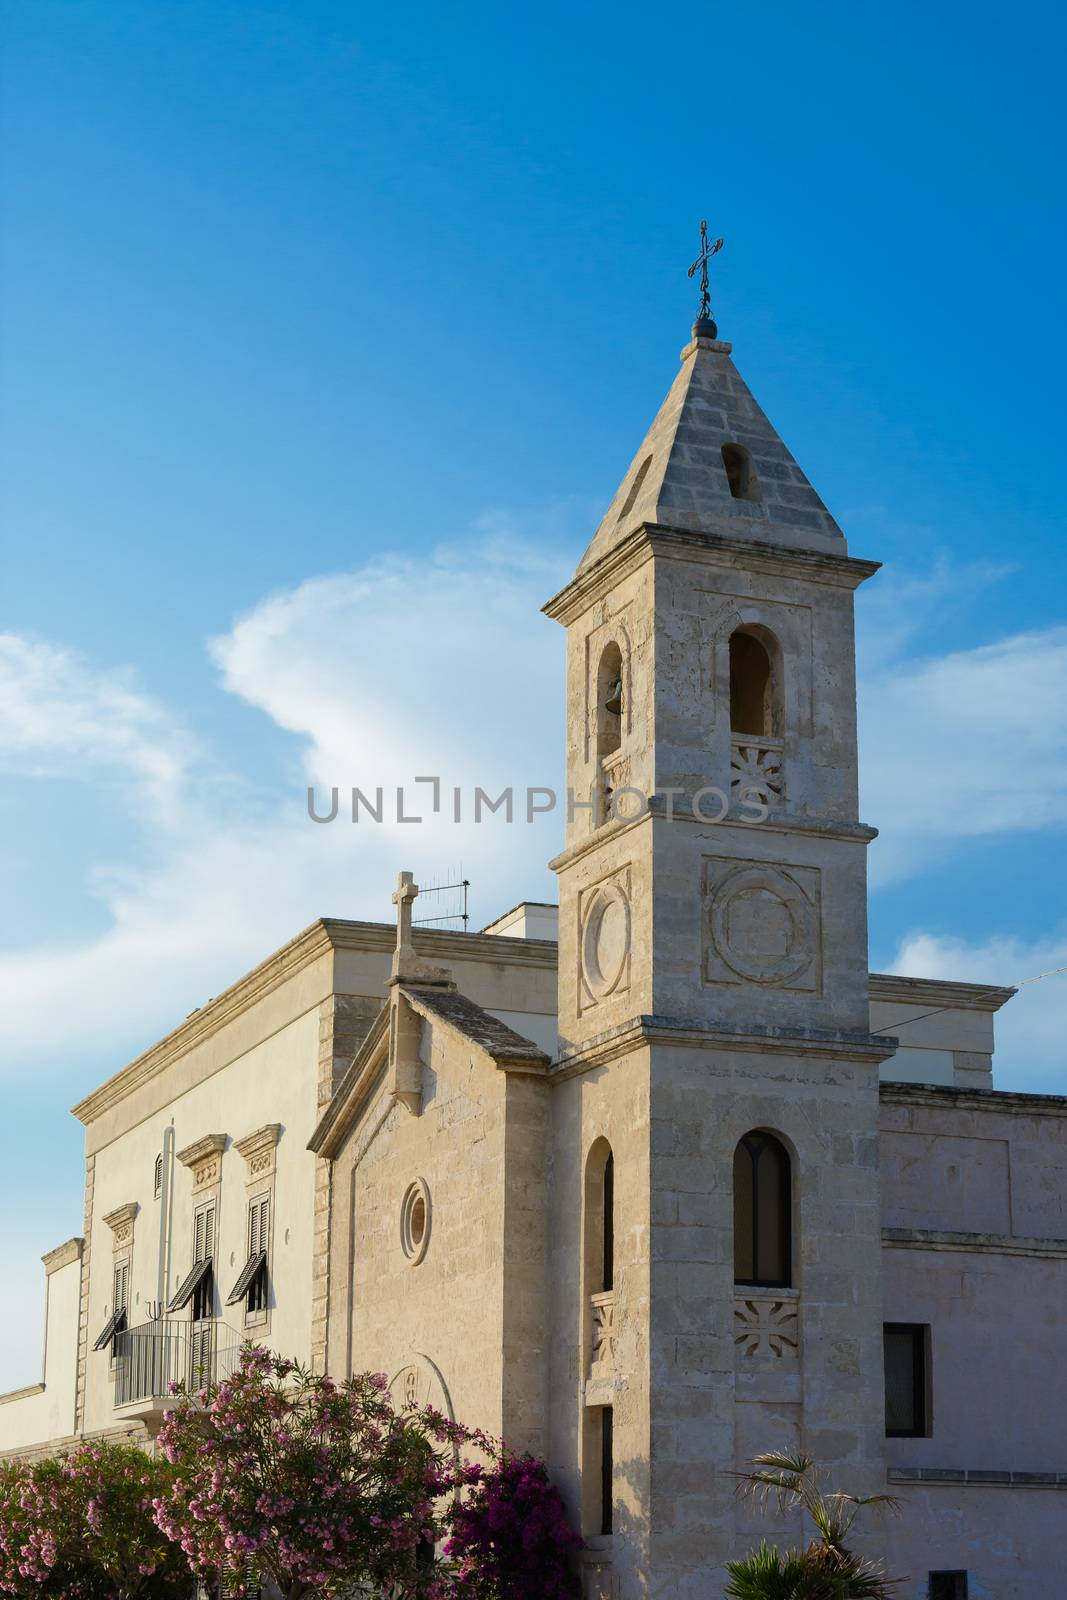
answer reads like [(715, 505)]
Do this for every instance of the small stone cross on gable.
[(404, 898)]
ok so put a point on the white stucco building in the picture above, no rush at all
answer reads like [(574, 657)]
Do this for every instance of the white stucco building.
[(657, 1181)]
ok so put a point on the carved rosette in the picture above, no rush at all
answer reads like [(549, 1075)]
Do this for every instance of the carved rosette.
[(756, 770)]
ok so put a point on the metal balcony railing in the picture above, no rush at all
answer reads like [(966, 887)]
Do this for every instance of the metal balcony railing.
[(149, 1358)]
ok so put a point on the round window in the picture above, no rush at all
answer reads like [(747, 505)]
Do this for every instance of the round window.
[(415, 1221)]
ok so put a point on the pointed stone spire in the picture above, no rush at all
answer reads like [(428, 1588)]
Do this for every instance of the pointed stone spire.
[(712, 463)]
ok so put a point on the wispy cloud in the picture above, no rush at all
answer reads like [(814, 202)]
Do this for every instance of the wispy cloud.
[(60, 717)]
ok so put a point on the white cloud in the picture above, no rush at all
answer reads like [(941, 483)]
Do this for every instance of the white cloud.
[(402, 668), (440, 665), (1031, 1030), (60, 717), (963, 745)]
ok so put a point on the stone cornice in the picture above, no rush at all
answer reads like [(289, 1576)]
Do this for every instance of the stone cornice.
[(976, 1478), (682, 811), (888, 989), (717, 550), (253, 1144), (1008, 1101), (194, 1155), (992, 1244), (821, 1042), (314, 942), (300, 952), (63, 1255), (122, 1216), (19, 1394)]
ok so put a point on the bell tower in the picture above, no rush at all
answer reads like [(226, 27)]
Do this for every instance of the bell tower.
[(713, 971)]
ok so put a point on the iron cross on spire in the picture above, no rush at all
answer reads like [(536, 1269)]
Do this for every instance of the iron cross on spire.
[(707, 250)]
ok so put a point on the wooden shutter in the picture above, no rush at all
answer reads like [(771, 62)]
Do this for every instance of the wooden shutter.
[(200, 1364), (258, 1224), (204, 1233), (122, 1287)]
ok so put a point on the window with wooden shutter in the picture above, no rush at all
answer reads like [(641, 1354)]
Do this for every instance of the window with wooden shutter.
[(197, 1285), (251, 1285), (116, 1323)]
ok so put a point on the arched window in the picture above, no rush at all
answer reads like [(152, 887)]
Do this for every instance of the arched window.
[(609, 694), (157, 1177), (600, 1218), (763, 1211), (740, 473), (755, 701)]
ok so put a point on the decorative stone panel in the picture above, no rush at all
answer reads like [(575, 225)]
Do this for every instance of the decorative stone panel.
[(762, 924), (598, 1581), (605, 936), (120, 1221), (260, 1150), (602, 1349), (766, 1327), (204, 1160), (757, 770)]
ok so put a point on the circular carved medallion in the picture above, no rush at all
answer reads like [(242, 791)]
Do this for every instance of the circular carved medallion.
[(762, 925), (606, 940)]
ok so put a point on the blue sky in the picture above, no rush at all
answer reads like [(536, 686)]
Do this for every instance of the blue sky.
[(329, 331)]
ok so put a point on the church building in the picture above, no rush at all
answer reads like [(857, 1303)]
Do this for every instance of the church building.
[(652, 1184)]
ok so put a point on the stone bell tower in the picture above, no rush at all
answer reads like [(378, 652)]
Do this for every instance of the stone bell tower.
[(713, 968)]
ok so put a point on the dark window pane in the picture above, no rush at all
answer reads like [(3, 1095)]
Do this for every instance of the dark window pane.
[(762, 1212), (609, 1223), (905, 1380), (948, 1586), (772, 1183), (744, 1258), (607, 1468)]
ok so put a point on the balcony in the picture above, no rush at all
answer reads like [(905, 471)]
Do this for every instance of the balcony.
[(148, 1359)]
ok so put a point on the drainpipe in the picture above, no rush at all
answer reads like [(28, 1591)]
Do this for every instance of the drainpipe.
[(166, 1197)]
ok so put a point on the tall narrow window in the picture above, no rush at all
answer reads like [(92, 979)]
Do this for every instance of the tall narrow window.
[(157, 1177), (609, 697), (763, 1206), (607, 1468), (754, 697), (907, 1401), (740, 473), (599, 1240)]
